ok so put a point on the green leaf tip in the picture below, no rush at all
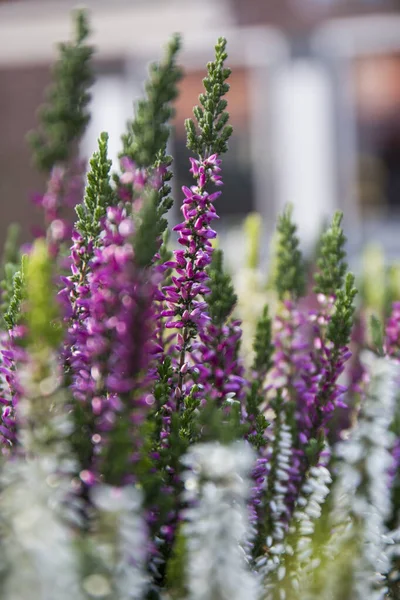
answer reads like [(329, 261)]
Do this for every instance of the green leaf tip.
[(42, 312), (209, 132), (64, 117), (331, 260), (222, 299), (290, 271), (147, 134), (98, 194)]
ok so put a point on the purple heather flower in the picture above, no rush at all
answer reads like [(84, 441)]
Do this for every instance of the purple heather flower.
[(326, 392), (393, 332), (113, 351), (216, 359), (10, 390), (183, 310), (64, 190), (306, 373)]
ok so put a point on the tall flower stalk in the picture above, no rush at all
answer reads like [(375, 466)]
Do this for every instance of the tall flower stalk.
[(184, 310)]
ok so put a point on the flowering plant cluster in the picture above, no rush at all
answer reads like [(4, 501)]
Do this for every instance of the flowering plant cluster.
[(144, 456)]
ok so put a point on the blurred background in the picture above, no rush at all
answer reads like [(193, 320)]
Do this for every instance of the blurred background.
[(314, 101)]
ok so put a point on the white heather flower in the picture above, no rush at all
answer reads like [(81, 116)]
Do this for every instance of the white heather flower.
[(217, 484), (280, 439), (362, 493), (125, 545), (37, 544), (38, 554)]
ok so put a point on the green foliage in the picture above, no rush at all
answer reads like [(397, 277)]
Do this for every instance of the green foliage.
[(314, 449), (11, 253), (165, 255), (148, 133), (176, 576), (260, 424), (42, 312), (64, 118), (15, 292), (212, 131), (162, 389), (221, 424), (377, 334), (262, 346), (164, 200), (98, 194), (10, 265), (339, 328), (252, 227), (148, 233), (290, 276), (263, 351), (331, 259), (187, 427), (222, 299)]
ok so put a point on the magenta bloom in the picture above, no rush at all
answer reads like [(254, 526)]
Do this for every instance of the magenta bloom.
[(216, 359), (10, 391), (393, 331), (113, 351), (184, 310), (64, 190)]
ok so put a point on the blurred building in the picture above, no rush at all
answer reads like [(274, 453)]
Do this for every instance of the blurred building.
[(314, 100)]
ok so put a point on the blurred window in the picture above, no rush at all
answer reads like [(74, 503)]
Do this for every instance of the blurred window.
[(238, 194), (377, 110)]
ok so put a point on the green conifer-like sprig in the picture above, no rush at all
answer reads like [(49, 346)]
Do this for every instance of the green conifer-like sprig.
[(222, 299), (147, 237), (11, 263), (222, 424), (176, 572), (42, 314), (252, 230), (339, 328), (262, 346), (377, 334), (290, 275), (64, 118), (98, 194), (209, 133), (11, 252), (263, 350), (147, 135), (16, 293), (331, 259), (164, 200)]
